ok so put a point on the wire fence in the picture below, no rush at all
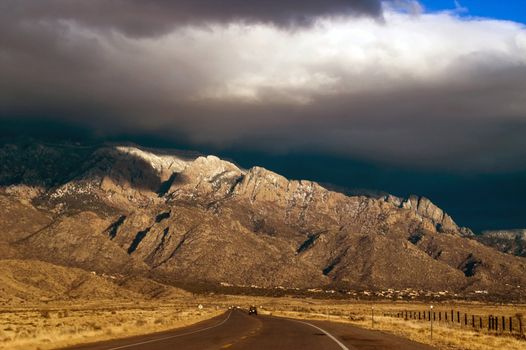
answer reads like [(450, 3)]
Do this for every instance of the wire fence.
[(496, 324)]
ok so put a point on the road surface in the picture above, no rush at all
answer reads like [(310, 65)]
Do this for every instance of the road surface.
[(237, 330)]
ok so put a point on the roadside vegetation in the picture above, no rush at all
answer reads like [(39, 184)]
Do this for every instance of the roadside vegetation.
[(390, 317), (53, 325)]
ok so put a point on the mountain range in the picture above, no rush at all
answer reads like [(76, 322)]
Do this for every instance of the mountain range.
[(185, 219)]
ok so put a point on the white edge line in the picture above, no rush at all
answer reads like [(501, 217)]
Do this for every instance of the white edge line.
[(172, 336), (326, 333)]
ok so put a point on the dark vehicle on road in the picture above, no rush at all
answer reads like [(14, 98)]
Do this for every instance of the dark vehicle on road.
[(252, 310)]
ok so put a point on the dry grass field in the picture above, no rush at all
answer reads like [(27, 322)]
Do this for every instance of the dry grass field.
[(446, 335), (56, 325)]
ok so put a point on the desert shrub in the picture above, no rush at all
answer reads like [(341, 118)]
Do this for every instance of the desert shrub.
[(94, 326), (140, 323), (22, 334), (356, 318)]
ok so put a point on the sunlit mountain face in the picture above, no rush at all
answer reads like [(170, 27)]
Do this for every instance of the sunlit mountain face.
[(372, 97)]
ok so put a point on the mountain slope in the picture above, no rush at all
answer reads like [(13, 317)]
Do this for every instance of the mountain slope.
[(185, 218), (32, 281)]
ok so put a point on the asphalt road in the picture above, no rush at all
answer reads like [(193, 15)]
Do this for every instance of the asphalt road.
[(237, 330)]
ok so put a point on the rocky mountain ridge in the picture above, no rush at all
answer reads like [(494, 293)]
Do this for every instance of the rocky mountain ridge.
[(185, 218), (506, 241)]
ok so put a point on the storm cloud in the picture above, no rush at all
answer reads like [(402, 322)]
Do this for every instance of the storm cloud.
[(154, 17), (392, 84)]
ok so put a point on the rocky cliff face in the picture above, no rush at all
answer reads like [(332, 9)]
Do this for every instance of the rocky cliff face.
[(506, 241), (186, 218)]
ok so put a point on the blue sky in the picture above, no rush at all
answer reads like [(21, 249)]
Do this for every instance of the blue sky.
[(514, 10)]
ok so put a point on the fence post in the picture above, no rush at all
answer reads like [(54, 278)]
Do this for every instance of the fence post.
[(480, 322), (490, 323), (458, 316), (452, 318), (473, 320), (511, 325), (503, 324), (445, 315), (431, 307), (439, 316)]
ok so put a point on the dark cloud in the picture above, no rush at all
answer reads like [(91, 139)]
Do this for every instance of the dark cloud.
[(152, 17), (368, 92), (428, 104)]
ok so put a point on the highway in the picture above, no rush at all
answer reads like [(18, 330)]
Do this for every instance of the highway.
[(237, 330)]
